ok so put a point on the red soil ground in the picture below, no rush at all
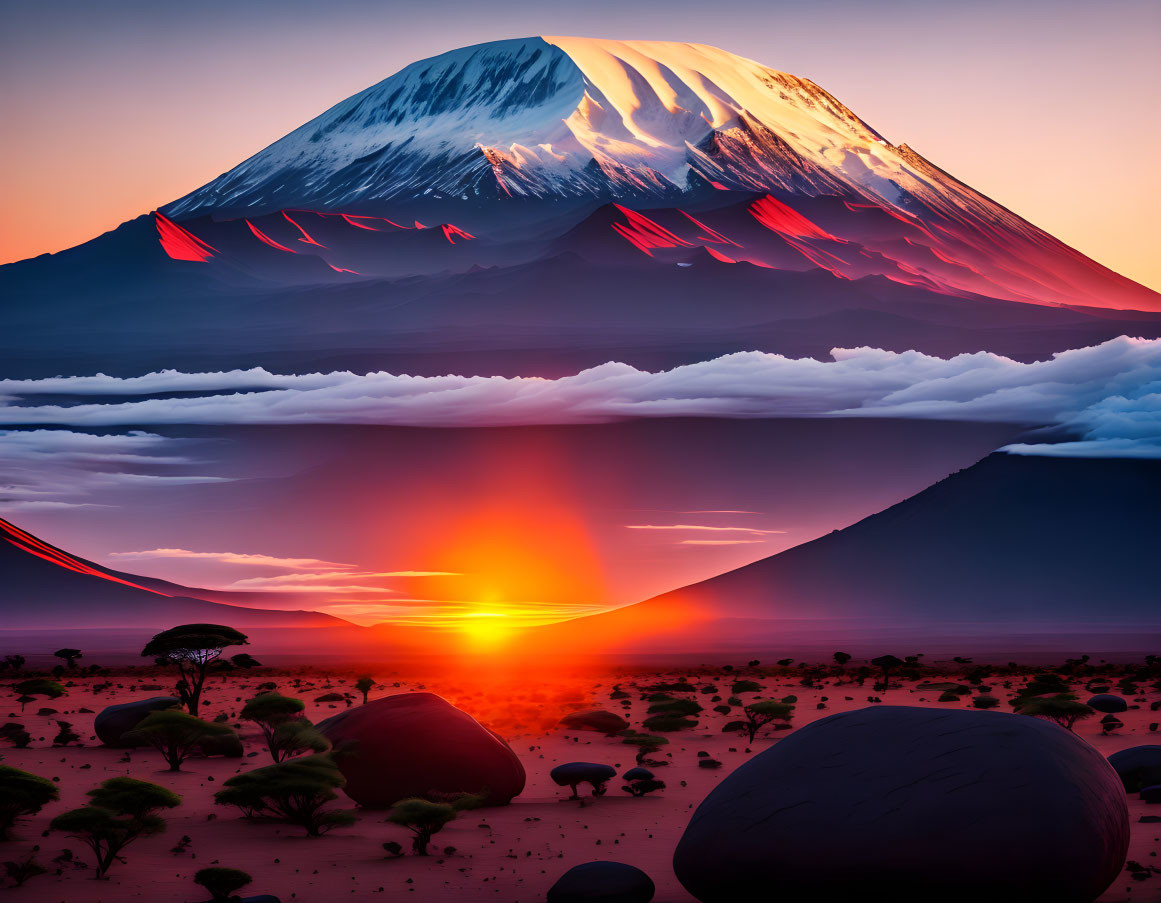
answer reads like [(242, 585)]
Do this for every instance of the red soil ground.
[(511, 854)]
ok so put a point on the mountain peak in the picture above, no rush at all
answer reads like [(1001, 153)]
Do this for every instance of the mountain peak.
[(558, 117)]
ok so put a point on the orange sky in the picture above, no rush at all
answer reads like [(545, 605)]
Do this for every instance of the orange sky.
[(113, 109)]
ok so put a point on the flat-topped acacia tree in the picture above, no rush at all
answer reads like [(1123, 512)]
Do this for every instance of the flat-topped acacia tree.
[(120, 810), (286, 731), (423, 818), (22, 793), (759, 714), (69, 655), (296, 790), (192, 647), (37, 686), (222, 882), (176, 734)]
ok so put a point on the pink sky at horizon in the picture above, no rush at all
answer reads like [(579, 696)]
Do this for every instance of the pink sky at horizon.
[(114, 109)]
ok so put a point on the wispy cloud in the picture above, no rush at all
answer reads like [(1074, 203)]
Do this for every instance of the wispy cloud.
[(332, 581), (719, 542), (242, 558), (60, 469), (702, 527), (453, 613), (721, 511)]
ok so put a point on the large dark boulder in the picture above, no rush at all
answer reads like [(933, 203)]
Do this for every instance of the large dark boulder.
[(1108, 703), (414, 743), (912, 804), (1137, 766), (112, 722), (602, 882), (595, 720)]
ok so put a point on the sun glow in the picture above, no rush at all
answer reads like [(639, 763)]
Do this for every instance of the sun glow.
[(486, 630)]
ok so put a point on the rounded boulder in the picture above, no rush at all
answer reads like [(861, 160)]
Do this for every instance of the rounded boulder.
[(1137, 766), (414, 743), (595, 720), (1108, 703), (912, 804), (114, 721), (602, 882)]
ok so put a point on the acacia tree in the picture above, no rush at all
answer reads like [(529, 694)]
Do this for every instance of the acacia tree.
[(759, 714), (287, 733), (645, 743), (887, 664), (70, 656), (423, 818), (122, 809), (37, 686), (22, 793), (841, 659), (222, 882), (1063, 708), (192, 647), (175, 734), (364, 685), (297, 790)]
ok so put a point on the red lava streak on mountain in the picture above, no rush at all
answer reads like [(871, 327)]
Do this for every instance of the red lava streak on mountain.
[(267, 239), (180, 244), (29, 543), (450, 232), (645, 234), (305, 235), (776, 216)]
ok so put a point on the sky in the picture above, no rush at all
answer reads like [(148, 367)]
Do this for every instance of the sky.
[(112, 109)]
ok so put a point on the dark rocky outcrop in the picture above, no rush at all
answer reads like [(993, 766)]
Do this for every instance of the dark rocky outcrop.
[(412, 744), (912, 804), (1138, 766), (602, 882), (1107, 702), (113, 722)]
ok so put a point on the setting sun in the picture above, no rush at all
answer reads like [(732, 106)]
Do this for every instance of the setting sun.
[(486, 629)]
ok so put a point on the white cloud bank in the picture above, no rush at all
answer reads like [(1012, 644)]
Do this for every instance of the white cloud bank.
[(1108, 396)]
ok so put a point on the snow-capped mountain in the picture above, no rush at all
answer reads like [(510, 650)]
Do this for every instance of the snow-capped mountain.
[(555, 116), (541, 205), (647, 124)]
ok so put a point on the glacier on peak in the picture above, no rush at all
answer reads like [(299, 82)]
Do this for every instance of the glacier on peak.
[(566, 117)]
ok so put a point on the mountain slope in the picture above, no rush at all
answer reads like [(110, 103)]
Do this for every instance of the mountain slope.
[(1013, 544), (43, 587), (539, 205), (580, 118)]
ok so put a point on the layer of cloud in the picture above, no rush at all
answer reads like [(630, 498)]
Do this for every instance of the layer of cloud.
[(50, 469), (1106, 394)]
